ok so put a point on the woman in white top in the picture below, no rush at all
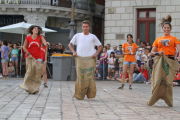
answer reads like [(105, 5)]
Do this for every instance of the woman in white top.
[(111, 63)]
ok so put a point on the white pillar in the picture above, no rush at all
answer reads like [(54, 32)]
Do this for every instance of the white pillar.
[(39, 20)]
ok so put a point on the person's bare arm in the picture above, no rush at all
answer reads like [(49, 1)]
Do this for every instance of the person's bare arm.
[(44, 41), (46, 55), (137, 66), (99, 50), (25, 48), (154, 50), (20, 47), (71, 48), (3, 54), (178, 47), (125, 53)]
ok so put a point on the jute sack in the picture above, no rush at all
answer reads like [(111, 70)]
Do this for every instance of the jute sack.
[(32, 78), (164, 71), (85, 83)]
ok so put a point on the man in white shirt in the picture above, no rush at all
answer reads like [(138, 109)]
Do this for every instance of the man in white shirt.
[(85, 50), (108, 50)]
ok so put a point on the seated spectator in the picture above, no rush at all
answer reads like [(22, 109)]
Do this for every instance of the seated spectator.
[(52, 49), (97, 75), (112, 74), (11, 69), (142, 76), (116, 75), (176, 81), (126, 78)]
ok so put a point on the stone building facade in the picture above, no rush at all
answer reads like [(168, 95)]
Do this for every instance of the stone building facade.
[(140, 18), (53, 14)]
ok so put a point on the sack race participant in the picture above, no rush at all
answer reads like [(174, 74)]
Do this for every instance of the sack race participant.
[(165, 66), (32, 78), (85, 83), (85, 61), (32, 47)]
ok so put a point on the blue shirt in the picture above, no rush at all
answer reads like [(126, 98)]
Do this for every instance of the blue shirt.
[(6, 50)]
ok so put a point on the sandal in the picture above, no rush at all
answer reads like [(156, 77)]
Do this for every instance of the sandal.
[(122, 87), (45, 85), (130, 87)]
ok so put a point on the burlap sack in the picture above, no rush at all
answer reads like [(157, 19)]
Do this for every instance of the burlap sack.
[(162, 80), (32, 78), (85, 83)]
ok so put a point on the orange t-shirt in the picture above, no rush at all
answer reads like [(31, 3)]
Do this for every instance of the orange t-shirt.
[(166, 44), (127, 49)]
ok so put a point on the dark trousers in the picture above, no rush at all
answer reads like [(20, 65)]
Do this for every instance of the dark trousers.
[(101, 71)]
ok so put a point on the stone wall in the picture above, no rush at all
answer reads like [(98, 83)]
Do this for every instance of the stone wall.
[(120, 18)]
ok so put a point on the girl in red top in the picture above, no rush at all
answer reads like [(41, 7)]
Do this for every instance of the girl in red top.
[(32, 44), (44, 58)]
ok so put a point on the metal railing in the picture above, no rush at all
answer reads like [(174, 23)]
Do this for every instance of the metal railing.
[(83, 5)]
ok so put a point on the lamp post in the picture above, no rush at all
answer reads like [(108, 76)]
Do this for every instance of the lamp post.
[(72, 24)]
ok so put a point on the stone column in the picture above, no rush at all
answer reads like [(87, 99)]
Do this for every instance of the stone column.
[(39, 20)]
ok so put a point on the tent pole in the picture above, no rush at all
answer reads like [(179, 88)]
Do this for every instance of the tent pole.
[(21, 52)]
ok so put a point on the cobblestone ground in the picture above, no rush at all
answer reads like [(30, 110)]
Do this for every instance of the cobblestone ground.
[(57, 103)]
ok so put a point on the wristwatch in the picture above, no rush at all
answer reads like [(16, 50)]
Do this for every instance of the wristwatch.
[(28, 54), (156, 53)]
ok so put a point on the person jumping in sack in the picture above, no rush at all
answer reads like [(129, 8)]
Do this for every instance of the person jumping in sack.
[(165, 66), (85, 59), (32, 47)]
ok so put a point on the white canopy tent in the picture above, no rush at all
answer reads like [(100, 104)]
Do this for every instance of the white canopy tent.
[(20, 28)]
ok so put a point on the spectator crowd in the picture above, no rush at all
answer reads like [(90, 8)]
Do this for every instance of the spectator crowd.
[(110, 64), (10, 57)]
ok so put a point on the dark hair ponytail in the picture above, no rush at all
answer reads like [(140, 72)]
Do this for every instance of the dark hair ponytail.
[(166, 20), (130, 36)]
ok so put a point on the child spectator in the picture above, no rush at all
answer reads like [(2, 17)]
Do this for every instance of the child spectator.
[(120, 61), (126, 78), (111, 63), (116, 75), (113, 74), (97, 75), (142, 76), (11, 69)]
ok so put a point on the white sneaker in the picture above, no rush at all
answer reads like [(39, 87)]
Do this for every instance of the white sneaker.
[(1, 76), (17, 76)]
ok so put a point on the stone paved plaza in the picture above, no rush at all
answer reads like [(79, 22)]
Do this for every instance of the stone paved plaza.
[(57, 103)]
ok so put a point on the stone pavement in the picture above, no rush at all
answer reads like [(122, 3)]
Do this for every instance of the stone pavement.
[(57, 103)]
